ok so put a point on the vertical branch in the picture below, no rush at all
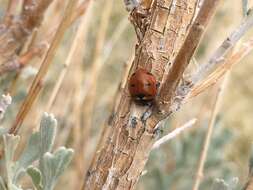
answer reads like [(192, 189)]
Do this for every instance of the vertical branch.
[(107, 129), (168, 90), (39, 79), (161, 32), (215, 109)]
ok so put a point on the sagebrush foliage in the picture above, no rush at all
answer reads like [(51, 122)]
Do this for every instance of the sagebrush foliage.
[(36, 160)]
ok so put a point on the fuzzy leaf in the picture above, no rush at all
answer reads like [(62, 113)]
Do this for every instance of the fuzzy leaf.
[(35, 175), (10, 145), (31, 151), (29, 155), (53, 165), (39, 143), (47, 133)]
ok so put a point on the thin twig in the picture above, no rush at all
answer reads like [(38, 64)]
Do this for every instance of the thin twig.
[(220, 53), (174, 133), (76, 46), (122, 26), (10, 11), (218, 60), (39, 79), (13, 37), (212, 78), (249, 185), (80, 11), (14, 64), (203, 156), (19, 62)]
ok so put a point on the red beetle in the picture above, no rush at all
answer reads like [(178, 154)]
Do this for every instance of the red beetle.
[(142, 86)]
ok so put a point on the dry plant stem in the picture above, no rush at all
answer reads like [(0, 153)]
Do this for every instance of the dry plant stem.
[(174, 133), (19, 62), (219, 55), (11, 7), (123, 155), (219, 62), (106, 130), (13, 64), (212, 78), (114, 39), (249, 185), (76, 46), (35, 51), (90, 98), (72, 71), (203, 156), (82, 8), (39, 79), (182, 60), (13, 37), (10, 12), (73, 68)]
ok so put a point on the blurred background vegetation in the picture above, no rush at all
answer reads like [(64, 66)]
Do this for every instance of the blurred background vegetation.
[(174, 164)]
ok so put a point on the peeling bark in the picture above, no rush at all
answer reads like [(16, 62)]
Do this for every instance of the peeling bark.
[(161, 31)]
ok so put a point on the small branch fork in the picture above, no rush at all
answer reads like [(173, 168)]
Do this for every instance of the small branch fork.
[(168, 90), (161, 30), (218, 64)]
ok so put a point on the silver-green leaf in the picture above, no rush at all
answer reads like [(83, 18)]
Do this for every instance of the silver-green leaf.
[(53, 165), (47, 133), (35, 175)]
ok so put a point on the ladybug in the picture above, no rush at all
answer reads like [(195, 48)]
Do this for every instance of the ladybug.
[(142, 86)]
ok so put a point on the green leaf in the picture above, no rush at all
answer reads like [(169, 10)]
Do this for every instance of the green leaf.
[(10, 145), (53, 165), (30, 154), (35, 175), (31, 151), (47, 133), (39, 143)]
